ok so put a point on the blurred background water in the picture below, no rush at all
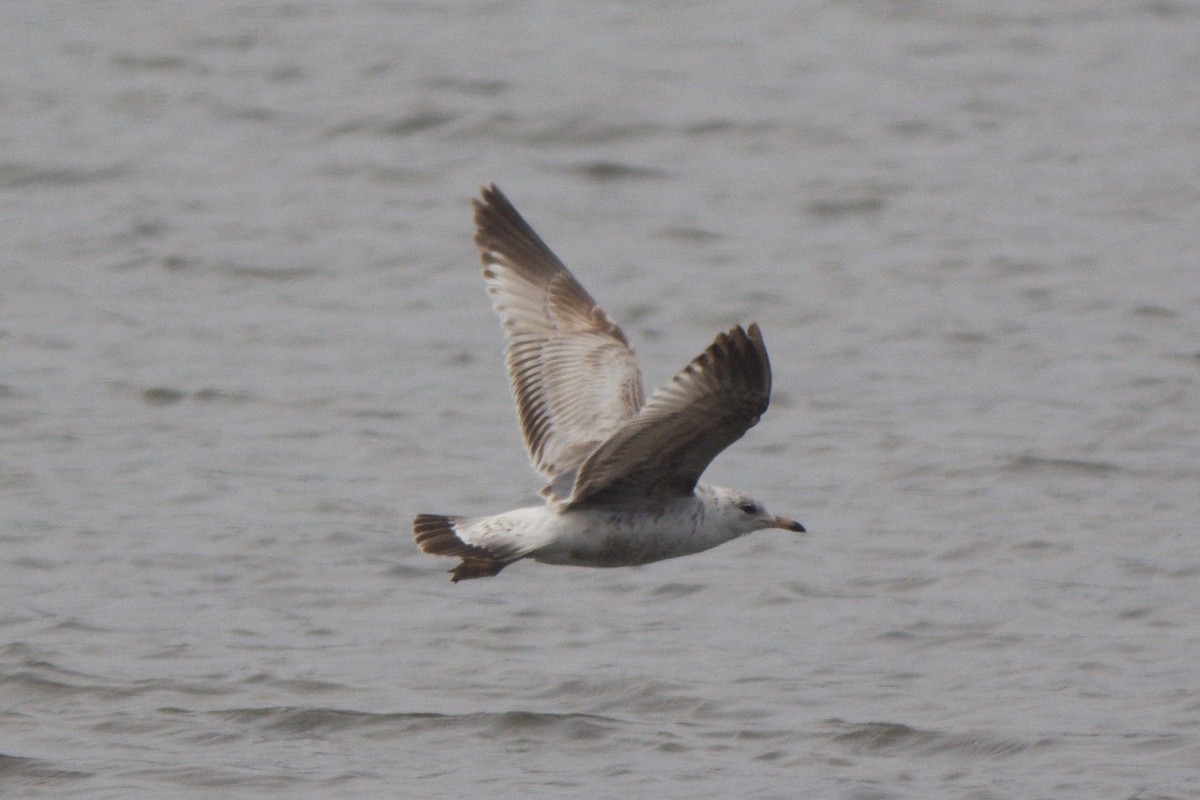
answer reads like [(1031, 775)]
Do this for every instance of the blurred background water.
[(243, 339)]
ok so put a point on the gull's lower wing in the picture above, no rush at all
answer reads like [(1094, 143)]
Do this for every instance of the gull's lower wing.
[(663, 451)]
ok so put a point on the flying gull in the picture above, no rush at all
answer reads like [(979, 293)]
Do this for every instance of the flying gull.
[(623, 472)]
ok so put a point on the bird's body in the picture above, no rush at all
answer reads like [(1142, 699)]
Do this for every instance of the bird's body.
[(623, 472)]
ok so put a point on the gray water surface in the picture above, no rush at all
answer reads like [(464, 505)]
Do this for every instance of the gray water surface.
[(243, 340)]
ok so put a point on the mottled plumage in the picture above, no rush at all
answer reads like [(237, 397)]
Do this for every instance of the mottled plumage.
[(623, 472)]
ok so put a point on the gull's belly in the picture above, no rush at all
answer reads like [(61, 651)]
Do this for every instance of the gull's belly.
[(622, 539)]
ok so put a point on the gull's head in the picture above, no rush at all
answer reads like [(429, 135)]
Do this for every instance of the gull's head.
[(746, 515)]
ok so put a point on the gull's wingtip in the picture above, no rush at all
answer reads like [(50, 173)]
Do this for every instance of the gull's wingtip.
[(489, 193), (751, 332)]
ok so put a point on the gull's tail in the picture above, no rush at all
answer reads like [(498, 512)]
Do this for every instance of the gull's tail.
[(436, 534)]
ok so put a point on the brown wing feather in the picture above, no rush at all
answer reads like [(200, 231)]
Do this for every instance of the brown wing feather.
[(574, 376), (708, 406)]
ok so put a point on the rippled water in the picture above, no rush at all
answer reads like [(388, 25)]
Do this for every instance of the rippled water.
[(243, 340)]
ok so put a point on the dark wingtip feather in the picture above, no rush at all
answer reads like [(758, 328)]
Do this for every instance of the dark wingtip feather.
[(752, 357), (500, 230)]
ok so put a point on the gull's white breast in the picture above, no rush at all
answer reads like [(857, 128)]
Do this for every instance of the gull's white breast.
[(609, 537)]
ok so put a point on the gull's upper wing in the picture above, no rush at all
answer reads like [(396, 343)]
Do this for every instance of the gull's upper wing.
[(705, 408), (574, 376)]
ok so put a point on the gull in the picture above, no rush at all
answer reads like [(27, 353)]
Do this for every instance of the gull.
[(623, 472)]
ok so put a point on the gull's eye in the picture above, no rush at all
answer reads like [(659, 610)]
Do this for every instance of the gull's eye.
[(746, 507)]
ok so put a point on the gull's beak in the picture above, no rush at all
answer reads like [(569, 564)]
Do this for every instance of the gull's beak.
[(787, 524)]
